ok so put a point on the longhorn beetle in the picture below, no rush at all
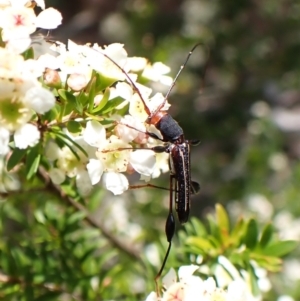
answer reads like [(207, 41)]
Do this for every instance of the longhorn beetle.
[(178, 147)]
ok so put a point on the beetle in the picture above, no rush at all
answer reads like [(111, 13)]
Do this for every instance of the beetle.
[(181, 185)]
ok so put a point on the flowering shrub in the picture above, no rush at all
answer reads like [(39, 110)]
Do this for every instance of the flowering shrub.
[(76, 117)]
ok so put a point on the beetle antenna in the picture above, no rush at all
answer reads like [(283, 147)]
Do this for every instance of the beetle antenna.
[(179, 72)]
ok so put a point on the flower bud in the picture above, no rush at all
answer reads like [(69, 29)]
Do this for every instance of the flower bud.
[(77, 81), (52, 78)]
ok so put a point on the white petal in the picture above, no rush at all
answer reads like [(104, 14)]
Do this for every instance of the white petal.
[(117, 183), (94, 134), (129, 133), (27, 135), (186, 271), (124, 90), (229, 267), (52, 151), (18, 3), (169, 279), (83, 183), (49, 18), (56, 175), (4, 140), (95, 170), (17, 40), (143, 161), (48, 61), (39, 99), (210, 285), (152, 297)]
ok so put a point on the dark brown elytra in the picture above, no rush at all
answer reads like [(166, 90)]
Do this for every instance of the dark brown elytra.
[(178, 147)]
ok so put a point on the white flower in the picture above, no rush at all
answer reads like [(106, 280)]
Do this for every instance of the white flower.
[(136, 64), (157, 72), (117, 183), (39, 99), (15, 17), (95, 170), (56, 175), (137, 108), (83, 182), (77, 81), (48, 61), (129, 128), (17, 41), (143, 161), (103, 65), (94, 134), (49, 18), (114, 154), (27, 135)]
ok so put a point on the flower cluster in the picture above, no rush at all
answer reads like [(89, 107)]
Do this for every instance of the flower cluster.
[(22, 94), (192, 288), (83, 105), (115, 142)]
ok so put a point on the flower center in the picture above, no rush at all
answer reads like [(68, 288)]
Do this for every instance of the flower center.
[(13, 113)]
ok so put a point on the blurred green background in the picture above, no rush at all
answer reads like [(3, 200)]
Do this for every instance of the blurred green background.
[(245, 110)]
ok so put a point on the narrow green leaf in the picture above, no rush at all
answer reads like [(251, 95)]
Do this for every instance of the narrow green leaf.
[(75, 217), (214, 229), (238, 232), (266, 235), (222, 219), (15, 158), (65, 140), (251, 236), (199, 242), (91, 91), (32, 161), (270, 263), (280, 248), (198, 226), (253, 281), (103, 101), (112, 104)]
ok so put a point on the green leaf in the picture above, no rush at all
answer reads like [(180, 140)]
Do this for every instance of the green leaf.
[(32, 161), (270, 263), (91, 91), (222, 220), (64, 140), (28, 54), (214, 228), (71, 100), (103, 102), (15, 158), (197, 227), (73, 126), (280, 248), (266, 235), (76, 217), (199, 242), (253, 281), (238, 232), (251, 235), (112, 104)]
